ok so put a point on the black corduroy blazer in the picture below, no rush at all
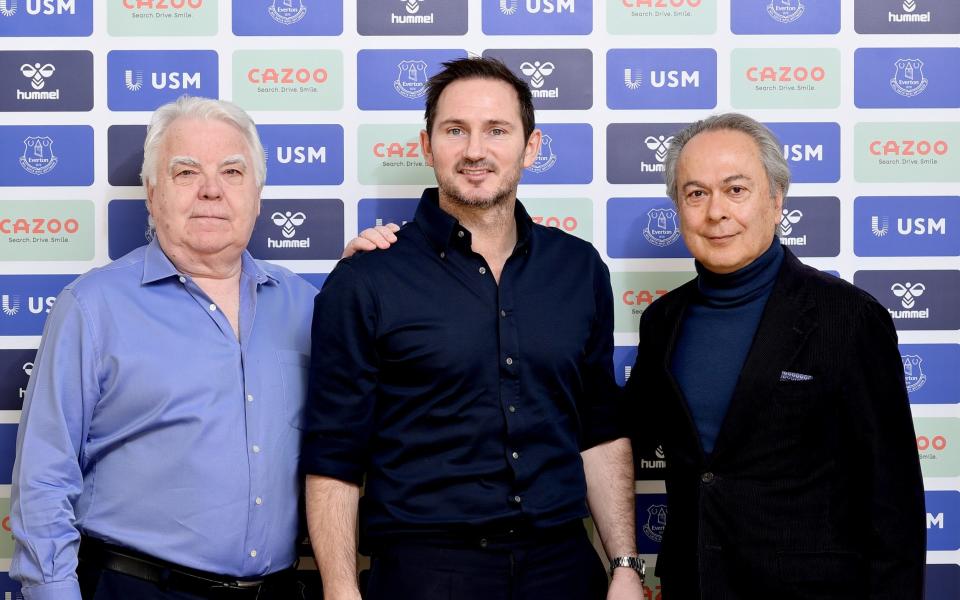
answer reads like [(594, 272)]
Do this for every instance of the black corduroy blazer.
[(814, 488)]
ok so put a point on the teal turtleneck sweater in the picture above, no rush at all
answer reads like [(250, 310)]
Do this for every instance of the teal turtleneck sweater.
[(715, 337)]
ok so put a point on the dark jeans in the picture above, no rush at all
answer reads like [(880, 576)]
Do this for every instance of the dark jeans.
[(514, 569)]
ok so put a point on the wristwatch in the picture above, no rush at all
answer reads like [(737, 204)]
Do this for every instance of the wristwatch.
[(634, 562)]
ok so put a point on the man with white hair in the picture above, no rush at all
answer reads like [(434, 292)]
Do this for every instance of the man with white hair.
[(160, 435), (778, 393)]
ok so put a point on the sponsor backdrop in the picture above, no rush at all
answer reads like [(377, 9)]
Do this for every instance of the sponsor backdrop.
[(863, 94)]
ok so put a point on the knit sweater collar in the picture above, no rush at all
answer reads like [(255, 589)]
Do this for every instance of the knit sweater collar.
[(743, 285)]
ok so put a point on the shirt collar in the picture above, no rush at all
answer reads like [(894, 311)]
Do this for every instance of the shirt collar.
[(157, 266), (442, 230)]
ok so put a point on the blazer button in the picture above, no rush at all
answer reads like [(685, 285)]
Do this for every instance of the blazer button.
[(707, 478)]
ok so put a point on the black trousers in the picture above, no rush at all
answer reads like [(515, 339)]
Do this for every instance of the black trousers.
[(567, 568)]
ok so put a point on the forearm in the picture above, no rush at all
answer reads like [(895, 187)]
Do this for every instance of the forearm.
[(609, 472), (332, 521)]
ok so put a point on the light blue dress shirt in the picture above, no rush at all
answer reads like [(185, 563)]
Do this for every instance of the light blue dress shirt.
[(148, 424)]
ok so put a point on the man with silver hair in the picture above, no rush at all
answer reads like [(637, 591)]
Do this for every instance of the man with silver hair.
[(792, 469), (160, 435)]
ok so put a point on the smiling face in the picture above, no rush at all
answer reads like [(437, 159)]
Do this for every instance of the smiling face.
[(477, 148), (727, 216), (205, 200)]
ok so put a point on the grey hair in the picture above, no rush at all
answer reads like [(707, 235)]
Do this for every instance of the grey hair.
[(771, 153), (194, 107)]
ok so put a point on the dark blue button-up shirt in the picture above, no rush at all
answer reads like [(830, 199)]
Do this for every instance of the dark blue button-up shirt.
[(466, 404)]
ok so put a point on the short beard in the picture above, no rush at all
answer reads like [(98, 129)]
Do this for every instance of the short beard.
[(507, 190)]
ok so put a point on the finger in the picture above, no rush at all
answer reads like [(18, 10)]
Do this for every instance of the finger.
[(358, 244), (392, 226), (387, 233)]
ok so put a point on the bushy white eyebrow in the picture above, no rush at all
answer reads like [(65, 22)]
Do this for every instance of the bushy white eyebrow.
[(189, 161), (235, 159)]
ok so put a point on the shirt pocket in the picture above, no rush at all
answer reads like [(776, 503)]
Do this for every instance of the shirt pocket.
[(294, 371)]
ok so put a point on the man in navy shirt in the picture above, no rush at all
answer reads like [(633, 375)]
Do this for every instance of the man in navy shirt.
[(464, 377)]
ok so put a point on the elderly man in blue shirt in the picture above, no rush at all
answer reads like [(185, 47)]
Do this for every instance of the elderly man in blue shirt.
[(160, 435)]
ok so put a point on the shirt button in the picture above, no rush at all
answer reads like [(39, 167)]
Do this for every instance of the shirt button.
[(515, 455), (259, 501), (708, 478), (483, 270), (509, 361), (253, 554), (483, 542), (512, 408), (443, 255), (213, 307), (249, 397), (516, 499), (183, 279), (460, 234), (256, 449), (503, 313)]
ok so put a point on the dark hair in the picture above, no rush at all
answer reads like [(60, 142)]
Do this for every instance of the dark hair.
[(479, 68)]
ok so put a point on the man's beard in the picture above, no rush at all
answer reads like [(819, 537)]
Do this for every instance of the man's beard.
[(507, 189)]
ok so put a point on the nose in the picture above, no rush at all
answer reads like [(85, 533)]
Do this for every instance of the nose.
[(475, 149), (716, 208), (211, 189)]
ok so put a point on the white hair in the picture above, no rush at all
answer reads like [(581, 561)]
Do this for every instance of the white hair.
[(193, 107)]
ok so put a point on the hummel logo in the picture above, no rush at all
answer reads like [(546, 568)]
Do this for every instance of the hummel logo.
[(908, 292), (537, 72)]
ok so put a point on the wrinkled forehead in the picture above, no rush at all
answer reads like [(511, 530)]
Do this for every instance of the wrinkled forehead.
[(190, 135)]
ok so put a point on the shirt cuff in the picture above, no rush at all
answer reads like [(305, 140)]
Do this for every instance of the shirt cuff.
[(56, 590), (318, 458)]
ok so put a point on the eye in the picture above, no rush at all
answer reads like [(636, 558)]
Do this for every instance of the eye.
[(184, 176), (737, 190), (455, 131), (497, 131)]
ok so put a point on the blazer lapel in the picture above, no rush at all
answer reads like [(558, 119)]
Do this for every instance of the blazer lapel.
[(668, 333), (784, 327)]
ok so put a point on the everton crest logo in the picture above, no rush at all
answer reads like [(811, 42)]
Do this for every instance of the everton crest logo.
[(656, 522), (287, 12), (908, 81), (913, 373), (411, 81), (546, 158), (38, 157), (785, 11), (661, 229)]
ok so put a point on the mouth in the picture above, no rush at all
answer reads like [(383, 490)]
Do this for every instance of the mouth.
[(475, 174), (720, 239)]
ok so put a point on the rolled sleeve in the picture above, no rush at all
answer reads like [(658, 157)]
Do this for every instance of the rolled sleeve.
[(600, 408), (59, 590), (343, 378), (47, 475)]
